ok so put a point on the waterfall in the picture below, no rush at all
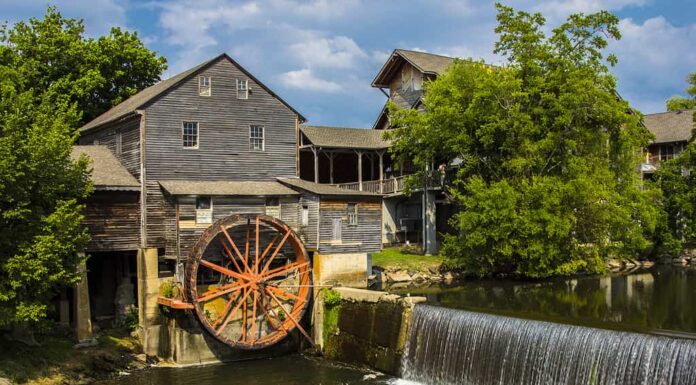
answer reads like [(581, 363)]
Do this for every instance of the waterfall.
[(448, 346)]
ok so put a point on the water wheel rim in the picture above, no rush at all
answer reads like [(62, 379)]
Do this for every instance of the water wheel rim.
[(254, 281)]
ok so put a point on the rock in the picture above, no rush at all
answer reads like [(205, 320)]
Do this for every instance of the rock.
[(418, 277), (647, 264), (398, 276), (86, 344), (411, 272), (141, 357), (614, 264), (432, 270), (5, 381), (679, 261), (448, 276)]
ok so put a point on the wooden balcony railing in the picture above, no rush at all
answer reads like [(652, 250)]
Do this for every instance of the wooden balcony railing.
[(392, 185)]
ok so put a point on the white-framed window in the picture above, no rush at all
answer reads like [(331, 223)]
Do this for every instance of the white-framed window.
[(242, 89), (204, 210), (273, 207), (352, 214), (204, 85), (189, 134), (304, 216), (256, 138)]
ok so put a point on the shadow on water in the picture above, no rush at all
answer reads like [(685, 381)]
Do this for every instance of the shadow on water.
[(661, 300), (288, 370)]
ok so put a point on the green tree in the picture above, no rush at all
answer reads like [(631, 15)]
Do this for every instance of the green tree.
[(545, 147), (53, 55), (52, 79), (677, 180), (677, 103)]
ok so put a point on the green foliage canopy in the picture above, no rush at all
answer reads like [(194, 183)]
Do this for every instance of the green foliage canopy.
[(52, 79), (677, 103), (547, 151), (53, 55)]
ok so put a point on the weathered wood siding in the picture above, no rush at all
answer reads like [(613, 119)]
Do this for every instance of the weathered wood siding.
[(223, 140), (113, 220), (223, 149), (189, 231), (310, 232), (129, 132), (365, 237)]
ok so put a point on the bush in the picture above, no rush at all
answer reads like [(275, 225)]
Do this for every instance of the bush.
[(331, 298)]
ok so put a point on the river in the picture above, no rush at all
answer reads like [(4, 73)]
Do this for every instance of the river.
[(656, 301)]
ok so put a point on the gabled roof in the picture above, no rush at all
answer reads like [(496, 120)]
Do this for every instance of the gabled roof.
[(426, 63), (107, 172), (670, 126), (339, 137), (130, 105), (323, 189), (226, 187)]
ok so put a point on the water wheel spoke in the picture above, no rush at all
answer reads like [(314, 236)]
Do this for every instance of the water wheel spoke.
[(286, 294), (291, 317), (246, 245), (229, 254), (275, 252), (228, 305), (256, 248), (284, 270), (268, 248), (234, 246), (223, 270), (226, 289), (244, 320), (269, 317), (233, 312), (253, 317)]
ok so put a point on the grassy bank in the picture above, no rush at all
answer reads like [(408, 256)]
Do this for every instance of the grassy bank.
[(394, 258), (56, 361)]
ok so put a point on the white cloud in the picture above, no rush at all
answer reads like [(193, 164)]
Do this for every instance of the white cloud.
[(337, 52), (316, 9), (558, 10), (654, 59), (305, 79)]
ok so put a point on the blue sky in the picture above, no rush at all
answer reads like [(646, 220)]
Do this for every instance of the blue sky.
[(321, 55)]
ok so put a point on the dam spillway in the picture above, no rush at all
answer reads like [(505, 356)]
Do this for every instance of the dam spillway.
[(449, 346)]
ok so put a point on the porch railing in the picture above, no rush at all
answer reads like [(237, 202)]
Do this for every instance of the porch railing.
[(392, 185)]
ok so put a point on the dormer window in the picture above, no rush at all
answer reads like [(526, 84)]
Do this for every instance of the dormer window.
[(204, 86), (242, 89)]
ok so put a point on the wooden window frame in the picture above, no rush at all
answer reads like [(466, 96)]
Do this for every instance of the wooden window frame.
[(195, 205), (245, 94), (201, 90), (252, 138), (304, 215), (183, 135), (352, 214)]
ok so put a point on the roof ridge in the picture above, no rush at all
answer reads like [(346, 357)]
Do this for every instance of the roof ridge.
[(336, 127), (671, 112), (427, 53)]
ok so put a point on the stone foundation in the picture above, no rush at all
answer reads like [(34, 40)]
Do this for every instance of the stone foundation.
[(340, 269), (367, 328)]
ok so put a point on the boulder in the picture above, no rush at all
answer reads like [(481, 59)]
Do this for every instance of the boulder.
[(398, 276)]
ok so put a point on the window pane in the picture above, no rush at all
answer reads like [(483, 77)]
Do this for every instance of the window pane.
[(256, 138), (203, 203), (190, 134)]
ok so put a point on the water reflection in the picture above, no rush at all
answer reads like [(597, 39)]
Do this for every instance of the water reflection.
[(287, 370), (660, 300)]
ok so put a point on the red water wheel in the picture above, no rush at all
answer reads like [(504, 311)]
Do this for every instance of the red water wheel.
[(248, 278)]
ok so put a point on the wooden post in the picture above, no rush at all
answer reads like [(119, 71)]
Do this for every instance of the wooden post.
[(331, 167), (360, 176), (372, 166), (316, 165), (381, 171)]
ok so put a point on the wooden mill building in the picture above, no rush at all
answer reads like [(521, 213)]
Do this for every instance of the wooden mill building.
[(202, 145)]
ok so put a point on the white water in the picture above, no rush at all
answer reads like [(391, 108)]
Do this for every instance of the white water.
[(448, 347)]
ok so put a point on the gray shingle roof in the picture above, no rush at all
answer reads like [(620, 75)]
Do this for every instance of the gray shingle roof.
[(130, 105), (323, 189), (107, 172), (337, 137), (427, 63), (670, 126), (219, 187)]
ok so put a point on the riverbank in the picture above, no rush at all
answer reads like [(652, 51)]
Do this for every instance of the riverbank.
[(57, 360)]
